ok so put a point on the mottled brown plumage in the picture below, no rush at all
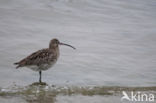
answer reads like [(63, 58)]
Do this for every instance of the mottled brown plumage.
[(42, 59), (38, 58)]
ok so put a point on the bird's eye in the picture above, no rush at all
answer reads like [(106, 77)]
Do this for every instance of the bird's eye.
[(57, 42)]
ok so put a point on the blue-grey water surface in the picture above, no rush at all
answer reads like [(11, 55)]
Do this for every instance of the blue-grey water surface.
[(115, 41)]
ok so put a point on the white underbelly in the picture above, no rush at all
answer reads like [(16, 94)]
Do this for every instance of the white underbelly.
[(41, 67)]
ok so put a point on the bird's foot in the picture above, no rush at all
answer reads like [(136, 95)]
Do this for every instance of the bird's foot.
[(39, 83)]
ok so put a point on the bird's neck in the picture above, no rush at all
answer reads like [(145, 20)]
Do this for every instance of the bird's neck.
[(55, 50)]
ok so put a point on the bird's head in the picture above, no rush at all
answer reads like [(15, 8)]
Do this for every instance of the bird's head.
[(54, 43)]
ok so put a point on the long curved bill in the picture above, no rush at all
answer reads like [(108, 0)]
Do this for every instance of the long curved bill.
[(67, 45)]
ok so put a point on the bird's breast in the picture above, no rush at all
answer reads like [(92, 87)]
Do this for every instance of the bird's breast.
[(46, 66)]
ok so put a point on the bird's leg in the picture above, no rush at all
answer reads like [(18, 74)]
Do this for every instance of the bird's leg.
[(40, 73)]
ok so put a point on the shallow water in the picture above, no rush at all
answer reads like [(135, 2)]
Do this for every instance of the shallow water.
[(53, 94), (115, 41)]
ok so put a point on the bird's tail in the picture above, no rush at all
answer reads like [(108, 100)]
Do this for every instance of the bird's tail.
[(17, 64)]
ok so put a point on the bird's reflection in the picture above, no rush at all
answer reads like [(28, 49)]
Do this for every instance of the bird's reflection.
[(41, 98), (36, 93)]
